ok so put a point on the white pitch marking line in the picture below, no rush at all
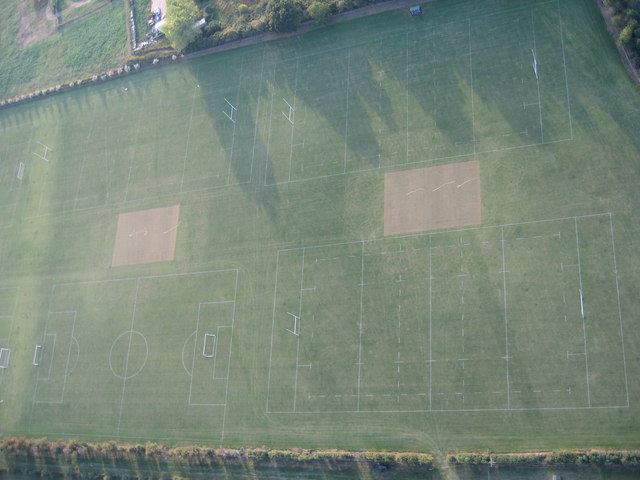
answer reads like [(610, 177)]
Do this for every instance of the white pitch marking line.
[(535, 69), (126, 363), (443, 185), (257, 124), (473, 119), (460, 230), (171, 229), (414, 191), (615, 270), (186, 148), (584, 327), (506, 317), (346, 115), (407, 95), (566, 80), (273, 327)]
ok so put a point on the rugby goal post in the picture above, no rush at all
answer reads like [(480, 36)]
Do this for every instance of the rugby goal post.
[(232, 112), (296, 325), (289, 115), (209, 345), (535, 63), (5, 353)]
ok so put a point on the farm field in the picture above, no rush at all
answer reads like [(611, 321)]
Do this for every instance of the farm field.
[(41, 51), (394, 233)]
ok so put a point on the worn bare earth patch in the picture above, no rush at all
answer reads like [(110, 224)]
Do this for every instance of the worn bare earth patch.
[(430, 198), (34, 25), (146, 236)]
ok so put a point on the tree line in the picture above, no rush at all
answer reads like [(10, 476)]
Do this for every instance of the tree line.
[(103, 460), (271, 16), (626, 19)]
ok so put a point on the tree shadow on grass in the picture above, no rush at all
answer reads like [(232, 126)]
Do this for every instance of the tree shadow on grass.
[(232, 103)]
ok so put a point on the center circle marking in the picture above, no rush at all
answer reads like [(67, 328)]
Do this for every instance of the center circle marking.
[(128, 354)]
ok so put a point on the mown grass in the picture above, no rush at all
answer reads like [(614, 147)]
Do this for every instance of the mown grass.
[(78, 11), (163, 137)]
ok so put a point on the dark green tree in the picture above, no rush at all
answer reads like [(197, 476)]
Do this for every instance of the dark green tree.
[(283, 15), (179, 26), (319, 11)]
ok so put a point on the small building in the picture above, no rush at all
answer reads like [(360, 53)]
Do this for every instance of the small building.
[(415, 10), (556, 477)]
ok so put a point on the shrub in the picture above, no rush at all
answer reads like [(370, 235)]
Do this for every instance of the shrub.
[(627, 33), (211, 28), (319, 11), (181, 15), (283, 15)]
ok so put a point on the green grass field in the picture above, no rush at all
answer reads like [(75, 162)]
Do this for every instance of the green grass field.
[(36, 56), (287, 318)]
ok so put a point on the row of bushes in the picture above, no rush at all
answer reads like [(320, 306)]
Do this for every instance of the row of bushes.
[(63, 87), (628, 459), (150, 58), (151, 460), (36, 451), (626, 19), (273, 16)]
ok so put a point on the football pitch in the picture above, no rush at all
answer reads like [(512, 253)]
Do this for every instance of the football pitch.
[(390, 233)]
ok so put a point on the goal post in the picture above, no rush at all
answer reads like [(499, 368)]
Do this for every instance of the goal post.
[(5, 353), (296, 325), (209, 345), (36, 358), (289, 115)]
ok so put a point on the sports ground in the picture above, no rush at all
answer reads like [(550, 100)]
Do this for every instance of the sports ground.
[(398, 233)]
